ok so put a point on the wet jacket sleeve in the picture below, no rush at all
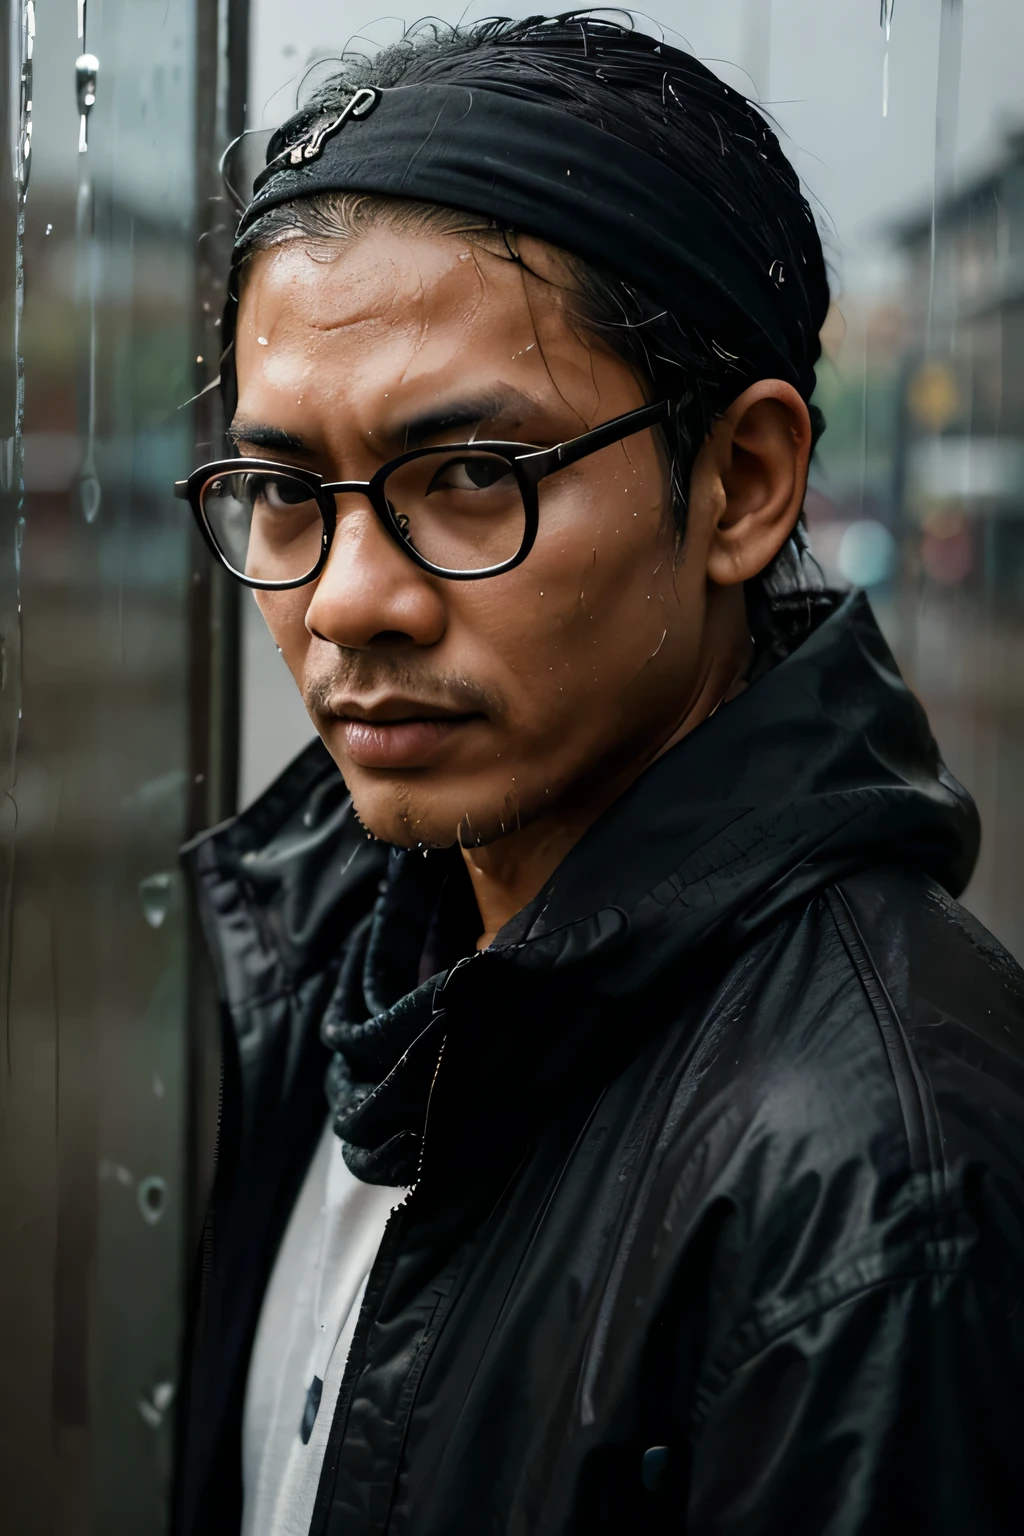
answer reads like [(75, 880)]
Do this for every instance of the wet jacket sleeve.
[(899, 1409)]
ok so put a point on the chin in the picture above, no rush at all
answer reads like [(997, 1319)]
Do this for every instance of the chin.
[(401, 818), (394, 817)]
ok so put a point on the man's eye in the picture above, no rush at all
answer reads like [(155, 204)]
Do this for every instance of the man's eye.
[(472, 474), (279, 493)]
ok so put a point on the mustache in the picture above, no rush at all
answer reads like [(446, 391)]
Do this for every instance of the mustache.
[(360, 676)]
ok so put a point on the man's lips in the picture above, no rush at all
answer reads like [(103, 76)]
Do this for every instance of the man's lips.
[(412, 738)]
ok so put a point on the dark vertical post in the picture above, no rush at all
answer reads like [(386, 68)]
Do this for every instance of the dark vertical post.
[(222, 61)]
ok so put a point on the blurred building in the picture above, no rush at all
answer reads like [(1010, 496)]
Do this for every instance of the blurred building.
[(954, 604), (959, 464)]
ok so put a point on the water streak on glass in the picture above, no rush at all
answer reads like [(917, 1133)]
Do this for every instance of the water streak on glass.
[(20, 34), (947, 112), (86, 73), (885, 21)]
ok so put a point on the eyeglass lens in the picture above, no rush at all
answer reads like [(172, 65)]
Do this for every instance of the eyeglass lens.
[(267, 525), (459, 511)]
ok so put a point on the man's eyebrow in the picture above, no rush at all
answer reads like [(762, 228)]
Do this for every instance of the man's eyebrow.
[(463, 413), (258, 435), (418, 430)]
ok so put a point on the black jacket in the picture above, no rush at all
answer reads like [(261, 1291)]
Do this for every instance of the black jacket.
[(719, 1225)]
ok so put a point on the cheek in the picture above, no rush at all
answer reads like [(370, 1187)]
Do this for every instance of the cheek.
[(589, 605), (604, 559), (284, 614)]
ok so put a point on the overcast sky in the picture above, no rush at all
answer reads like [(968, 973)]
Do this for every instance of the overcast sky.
[(817, 64)]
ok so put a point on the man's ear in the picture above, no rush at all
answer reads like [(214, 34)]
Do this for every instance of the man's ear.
[(761, 447)]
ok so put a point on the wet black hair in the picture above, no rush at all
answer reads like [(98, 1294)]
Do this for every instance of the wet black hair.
[(600, 68)]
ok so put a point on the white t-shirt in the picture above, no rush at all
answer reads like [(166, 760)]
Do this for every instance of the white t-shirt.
[(303, 1337)]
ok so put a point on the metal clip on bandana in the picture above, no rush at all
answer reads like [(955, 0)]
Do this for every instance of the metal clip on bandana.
[(308, 148)]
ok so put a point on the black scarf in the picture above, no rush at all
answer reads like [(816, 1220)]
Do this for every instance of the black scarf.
[(384, 1021)]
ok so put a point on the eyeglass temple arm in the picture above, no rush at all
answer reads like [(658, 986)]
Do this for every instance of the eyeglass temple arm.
[(544, 463)]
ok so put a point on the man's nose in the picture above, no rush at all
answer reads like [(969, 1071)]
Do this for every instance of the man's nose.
[(369, 590)]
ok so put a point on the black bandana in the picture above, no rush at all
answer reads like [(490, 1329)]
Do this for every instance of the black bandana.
[(501, 153)]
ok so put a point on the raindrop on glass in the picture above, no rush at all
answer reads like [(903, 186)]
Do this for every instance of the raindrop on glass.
[(152, 1198), (89, 496), (155, 892)]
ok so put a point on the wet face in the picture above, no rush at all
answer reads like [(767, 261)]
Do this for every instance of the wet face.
[(466, 710)]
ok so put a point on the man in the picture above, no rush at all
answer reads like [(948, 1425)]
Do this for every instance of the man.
[(673, 1175)]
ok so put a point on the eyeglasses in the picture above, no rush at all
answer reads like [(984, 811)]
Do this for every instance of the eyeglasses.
[(463, 511)]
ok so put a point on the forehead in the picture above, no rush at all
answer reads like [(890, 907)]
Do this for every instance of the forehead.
[(398, 303)]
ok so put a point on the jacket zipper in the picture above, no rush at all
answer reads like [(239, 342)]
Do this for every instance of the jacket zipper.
[(207, 1261), (380, 1275)]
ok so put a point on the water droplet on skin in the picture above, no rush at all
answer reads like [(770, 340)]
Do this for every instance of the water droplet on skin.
[(155, 891), (152, 1198), (263, 341)]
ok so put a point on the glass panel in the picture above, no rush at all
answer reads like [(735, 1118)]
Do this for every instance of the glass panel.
[(905, 122), (107, 737)]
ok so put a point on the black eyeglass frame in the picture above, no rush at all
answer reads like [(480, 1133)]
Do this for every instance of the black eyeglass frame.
[(530, 466)]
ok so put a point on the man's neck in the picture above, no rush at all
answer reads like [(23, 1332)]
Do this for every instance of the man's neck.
[(507, 874)]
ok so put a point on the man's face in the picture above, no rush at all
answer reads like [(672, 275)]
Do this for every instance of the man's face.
[(466, 709)]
